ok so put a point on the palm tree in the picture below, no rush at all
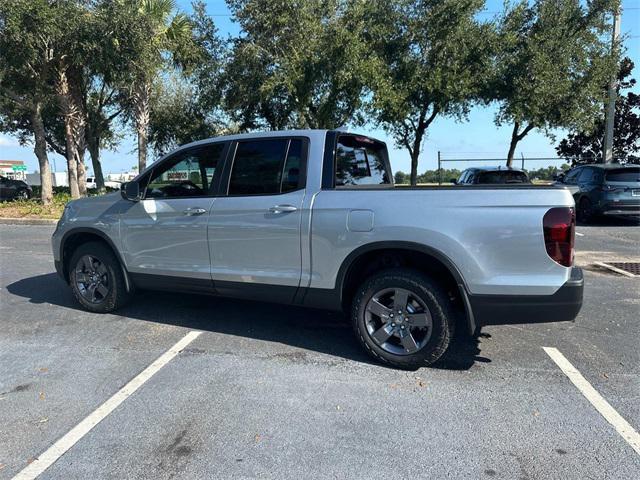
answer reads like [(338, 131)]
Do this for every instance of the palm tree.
[(166, 33)]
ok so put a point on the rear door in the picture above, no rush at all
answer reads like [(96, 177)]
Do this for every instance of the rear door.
[(254, 227), (164, 235)]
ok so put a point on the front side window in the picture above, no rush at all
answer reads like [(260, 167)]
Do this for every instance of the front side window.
[(267, 167), (572, 176), (189, 173), (361, 161)]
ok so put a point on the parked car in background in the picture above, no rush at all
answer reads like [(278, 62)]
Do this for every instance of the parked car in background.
[(12, 189), (604, 189), (491, 176), (91, 183), (312, 218)]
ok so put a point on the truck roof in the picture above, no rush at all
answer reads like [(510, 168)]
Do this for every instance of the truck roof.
[(310, 132)]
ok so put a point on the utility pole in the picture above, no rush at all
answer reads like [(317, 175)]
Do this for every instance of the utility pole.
[(607, 153)]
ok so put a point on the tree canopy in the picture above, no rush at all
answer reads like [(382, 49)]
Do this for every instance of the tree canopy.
[(430, 58), (78, 75), (296, 65)]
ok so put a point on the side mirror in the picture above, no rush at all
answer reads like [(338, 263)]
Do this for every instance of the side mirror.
[(454, 181), (130, 191)]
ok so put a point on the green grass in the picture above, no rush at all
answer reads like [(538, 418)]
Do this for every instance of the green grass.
[(33, 208)]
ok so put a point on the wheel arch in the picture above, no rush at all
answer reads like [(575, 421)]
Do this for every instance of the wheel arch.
[(72, 239), (372, 257)]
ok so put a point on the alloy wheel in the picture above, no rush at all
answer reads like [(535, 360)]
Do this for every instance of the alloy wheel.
[(398, 321), (92, 279)]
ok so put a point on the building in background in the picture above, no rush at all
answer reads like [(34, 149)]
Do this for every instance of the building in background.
[(58, 179), (14, 169)]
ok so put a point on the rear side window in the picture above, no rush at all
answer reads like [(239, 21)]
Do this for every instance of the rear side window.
[(267, 167), (587, 175), (623, 175), (361, 161)]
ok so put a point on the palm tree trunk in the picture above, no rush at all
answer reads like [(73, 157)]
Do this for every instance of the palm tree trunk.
[(82, 172), (40, 149), (68, 113), (141, 98)]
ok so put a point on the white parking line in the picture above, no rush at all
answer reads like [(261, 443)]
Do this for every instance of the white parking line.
[(615, 269), (50, 456), (601, 405), (580, 234)]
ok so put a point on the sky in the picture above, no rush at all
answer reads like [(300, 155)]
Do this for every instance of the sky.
[(478, 137)]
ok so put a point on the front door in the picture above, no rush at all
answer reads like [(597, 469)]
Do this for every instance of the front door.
[(254, 231), (164, 235)]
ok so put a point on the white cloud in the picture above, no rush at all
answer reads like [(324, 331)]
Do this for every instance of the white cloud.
[(6, 141)]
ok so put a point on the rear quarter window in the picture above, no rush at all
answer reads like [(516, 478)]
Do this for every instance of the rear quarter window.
[(361, 161)]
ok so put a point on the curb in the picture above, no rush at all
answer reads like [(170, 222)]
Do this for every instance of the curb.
[(27, 221)]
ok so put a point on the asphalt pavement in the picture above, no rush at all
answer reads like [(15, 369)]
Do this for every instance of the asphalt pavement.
[(267, 391)]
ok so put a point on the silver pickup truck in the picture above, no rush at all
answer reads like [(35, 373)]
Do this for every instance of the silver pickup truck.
[(312, 218)]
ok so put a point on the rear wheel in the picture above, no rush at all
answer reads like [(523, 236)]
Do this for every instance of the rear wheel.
[(96, 278), (585, 211), (403, 318)]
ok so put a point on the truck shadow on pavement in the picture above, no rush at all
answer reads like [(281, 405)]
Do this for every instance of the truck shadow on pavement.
[(310, 329)]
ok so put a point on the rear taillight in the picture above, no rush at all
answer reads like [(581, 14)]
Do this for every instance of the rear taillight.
[(559, 226)]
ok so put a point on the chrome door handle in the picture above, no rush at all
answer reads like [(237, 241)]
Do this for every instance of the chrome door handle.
[(283, 209), (194, 211)]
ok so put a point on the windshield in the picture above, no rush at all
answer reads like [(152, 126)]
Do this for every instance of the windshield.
[(504, 176), (623, 175)]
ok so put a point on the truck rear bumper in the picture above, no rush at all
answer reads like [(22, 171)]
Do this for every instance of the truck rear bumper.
[(564, 305)]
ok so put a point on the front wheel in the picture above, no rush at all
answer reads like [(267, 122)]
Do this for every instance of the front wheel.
[(22, 195), (403, 318), (97, 279)]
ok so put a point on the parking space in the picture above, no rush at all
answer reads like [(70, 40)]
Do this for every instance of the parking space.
[(273, 392)]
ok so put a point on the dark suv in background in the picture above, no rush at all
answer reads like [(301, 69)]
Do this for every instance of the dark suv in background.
[(491, 176), (11, 189), (604, 189)]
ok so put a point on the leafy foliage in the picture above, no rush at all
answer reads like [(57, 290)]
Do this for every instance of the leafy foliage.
[(296, 64), (586, 146), (430, 57)]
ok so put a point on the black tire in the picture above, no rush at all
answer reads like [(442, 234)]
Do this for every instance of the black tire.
[(116, 293), (23, 194), (585, 212), (422, 289)]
